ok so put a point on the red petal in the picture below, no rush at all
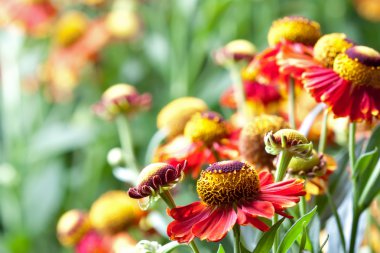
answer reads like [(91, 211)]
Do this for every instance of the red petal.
[(259, 208), (245, 219), (265, 178), (215, 227)]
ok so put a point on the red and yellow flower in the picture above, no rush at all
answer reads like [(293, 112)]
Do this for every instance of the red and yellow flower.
[(232, 192), (352, 87), (207, 139), (289, 34)]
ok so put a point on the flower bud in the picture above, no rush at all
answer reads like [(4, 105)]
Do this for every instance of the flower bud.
[(71, 227)]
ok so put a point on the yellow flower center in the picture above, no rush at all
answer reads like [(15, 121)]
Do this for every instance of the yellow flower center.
[(228, 183), (70, 27), (359, 65), (174, 116), (329, 46), (294, 29), (207, 127), (118, 90)]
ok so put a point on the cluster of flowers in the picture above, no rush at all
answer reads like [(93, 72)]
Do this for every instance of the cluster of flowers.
[(77, 38), (234, 159)]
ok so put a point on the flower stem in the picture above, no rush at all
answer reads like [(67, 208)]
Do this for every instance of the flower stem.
[(236, 231), (351, 145), (354, 230), (155, 141), (323, 136), (292, 104), (276, 240), (283, 162), (302, 206), (337, 219), (126, 142), (239, 90), (168, 199)]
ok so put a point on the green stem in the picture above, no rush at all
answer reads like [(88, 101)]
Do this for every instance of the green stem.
[(302, 206), (351, 146), (354, 230), (236, 231), (126, 141), (292, 104), (276, 240), (168, 199), (337, 219), (155, 141), (239, 90), (323, 136), (283, 162)]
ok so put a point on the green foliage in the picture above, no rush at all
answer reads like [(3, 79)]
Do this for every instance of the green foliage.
[(266, 241)]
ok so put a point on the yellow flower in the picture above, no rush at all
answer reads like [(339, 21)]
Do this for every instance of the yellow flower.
[(71, 227)]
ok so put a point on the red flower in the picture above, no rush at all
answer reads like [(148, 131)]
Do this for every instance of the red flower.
[(352, 87), (207, 138), (255, 92), (227, 185)]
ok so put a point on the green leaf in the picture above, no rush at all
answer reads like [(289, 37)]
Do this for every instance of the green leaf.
[(220, 249), (243, 249), (303, 239), (363, 163), (371, 188), (266, 241), (295, 231)]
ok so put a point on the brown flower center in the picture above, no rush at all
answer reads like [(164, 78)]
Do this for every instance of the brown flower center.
[(227, 183)]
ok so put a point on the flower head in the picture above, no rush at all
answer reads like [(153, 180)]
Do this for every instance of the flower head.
[(174, 116), (71, 26), (121, 99), (235, 50), (92, 242), (71, 227), (329, 46), (153, 179), (352, 87), (251, 143), (207, 128), (290, 140), (114, 211), (294, 29), (232, 193)]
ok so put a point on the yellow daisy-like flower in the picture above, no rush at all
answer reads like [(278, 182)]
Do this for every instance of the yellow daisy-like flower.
[(174, 116), (114, 211), (251, 142), (294, 29), (71, 227)]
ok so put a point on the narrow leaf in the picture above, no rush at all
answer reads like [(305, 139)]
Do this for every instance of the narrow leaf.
[(363, 162), (371, 189), (303, 239), (220, 249), (295, 231), (266, 241)]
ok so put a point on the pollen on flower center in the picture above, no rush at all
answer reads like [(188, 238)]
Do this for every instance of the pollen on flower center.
[(228, 183), (359, 64), (294, 29), (329, 46), (207, 127)]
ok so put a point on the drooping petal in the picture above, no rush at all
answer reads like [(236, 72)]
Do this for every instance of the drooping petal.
[(215, 227), (258, 208), (246, 219), (185, 218), (265, 178)]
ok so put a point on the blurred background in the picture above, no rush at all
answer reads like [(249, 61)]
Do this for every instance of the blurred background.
[(58, 56)]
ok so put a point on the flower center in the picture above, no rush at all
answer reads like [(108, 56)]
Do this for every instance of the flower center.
[(294, 29), (360, 65), (207, 127), (329, 46), (228, 183), (118, 90)]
